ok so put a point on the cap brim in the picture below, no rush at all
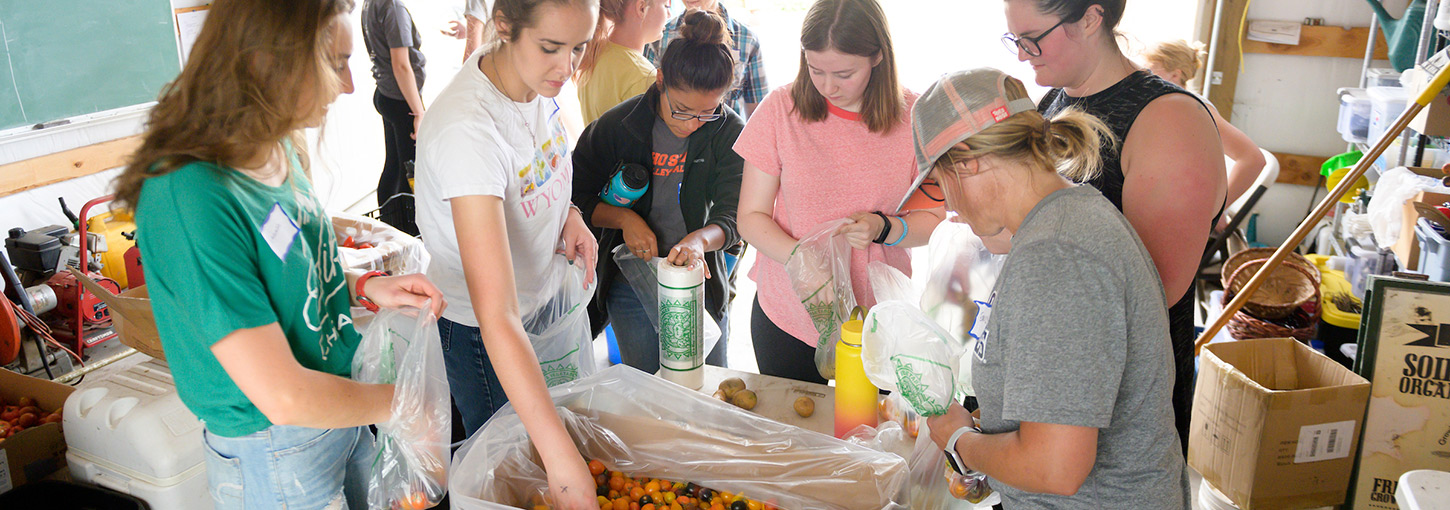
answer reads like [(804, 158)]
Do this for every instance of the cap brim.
[(920, 178)]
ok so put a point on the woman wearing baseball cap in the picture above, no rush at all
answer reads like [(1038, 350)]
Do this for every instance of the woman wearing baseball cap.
[(1074, 375)]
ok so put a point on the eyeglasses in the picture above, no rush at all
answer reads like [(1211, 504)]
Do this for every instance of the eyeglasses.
[(1028, 45), (679, 115), (932, 190)]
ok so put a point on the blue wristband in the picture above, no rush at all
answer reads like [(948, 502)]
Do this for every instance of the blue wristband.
[(905, 229)]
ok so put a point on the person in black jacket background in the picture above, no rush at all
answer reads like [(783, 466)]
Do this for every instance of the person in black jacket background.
[(683, 133)]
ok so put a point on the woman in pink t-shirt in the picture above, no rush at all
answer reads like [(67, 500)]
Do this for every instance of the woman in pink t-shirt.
[(834, 144)]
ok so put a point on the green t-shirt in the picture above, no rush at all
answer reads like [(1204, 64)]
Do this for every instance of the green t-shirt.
[(224, 252)]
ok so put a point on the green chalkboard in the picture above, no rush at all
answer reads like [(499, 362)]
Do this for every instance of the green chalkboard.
[(62, 58)]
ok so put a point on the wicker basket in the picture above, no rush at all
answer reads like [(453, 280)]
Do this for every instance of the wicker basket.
[(1291, 284), (1302, 323)]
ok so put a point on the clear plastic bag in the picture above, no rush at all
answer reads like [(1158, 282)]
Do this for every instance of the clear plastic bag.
[(906, 352), (643, 279), (559, 329), (401, 347), (820, 272), (890, 284), (935, 486), (962, 270), (645, 426), (377, 246)]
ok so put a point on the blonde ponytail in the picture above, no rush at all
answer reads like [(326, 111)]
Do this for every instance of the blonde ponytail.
[(1074, 143)]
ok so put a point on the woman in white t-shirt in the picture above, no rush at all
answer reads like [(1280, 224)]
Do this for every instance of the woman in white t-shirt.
[(493, 206)]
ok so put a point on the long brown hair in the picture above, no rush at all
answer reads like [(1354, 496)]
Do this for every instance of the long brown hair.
[(1070, 143), (611, 13), (853, 27), (251, 69)]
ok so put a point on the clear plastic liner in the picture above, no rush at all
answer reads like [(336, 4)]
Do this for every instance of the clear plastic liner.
[(820, 272), (559, 329), (401, 347), (377, 246), (645, 426), (644, 280)]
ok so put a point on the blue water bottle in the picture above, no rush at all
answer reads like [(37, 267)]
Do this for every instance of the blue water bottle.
[(629, 182)]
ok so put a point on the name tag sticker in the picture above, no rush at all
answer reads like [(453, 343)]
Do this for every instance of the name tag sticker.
[(280, 231)]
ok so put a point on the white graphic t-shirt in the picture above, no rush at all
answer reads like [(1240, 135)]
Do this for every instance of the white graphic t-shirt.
[(476, 141)]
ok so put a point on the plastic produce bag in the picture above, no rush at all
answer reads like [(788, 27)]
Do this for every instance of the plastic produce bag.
[(820, 272), (906, 352), (935, 486), (377, 246), (890, 284), (645, 426), (1387, 206), (641, 276), (961, 270), (559, 329), (401, 347)]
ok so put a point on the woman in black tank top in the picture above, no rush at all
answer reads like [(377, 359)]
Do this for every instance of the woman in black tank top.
[(1168, 174)]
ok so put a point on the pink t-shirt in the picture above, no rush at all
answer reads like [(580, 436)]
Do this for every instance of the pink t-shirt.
[(828, 170)]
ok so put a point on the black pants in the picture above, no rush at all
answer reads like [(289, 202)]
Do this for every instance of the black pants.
[(394, 193), (779, 353)]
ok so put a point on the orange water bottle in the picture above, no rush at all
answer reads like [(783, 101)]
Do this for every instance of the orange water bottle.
[(856, 397)]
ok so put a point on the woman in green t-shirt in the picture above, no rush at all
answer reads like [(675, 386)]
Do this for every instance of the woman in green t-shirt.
[(251, 302)]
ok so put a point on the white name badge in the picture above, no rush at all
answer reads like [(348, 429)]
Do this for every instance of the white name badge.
[(280, 231)]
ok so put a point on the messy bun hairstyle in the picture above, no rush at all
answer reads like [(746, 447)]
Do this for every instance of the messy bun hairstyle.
[(1069, 143), (1179, 55), (700, 59)]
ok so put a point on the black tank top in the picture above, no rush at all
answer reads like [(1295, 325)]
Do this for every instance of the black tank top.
[(1118, 106)]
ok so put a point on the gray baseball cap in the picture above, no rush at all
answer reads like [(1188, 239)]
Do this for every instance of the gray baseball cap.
[(957, 106)]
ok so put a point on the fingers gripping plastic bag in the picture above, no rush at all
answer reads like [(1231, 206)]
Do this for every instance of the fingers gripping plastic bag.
[(820, 272), (559, 328), (401, 347), (645, 426), (933, 485), (643, 278)]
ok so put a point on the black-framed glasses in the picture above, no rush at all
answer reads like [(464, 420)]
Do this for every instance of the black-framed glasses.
[(932, 190), (679, 115), (1028, 44)]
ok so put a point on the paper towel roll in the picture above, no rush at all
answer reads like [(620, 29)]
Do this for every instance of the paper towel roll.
[(682, 317)]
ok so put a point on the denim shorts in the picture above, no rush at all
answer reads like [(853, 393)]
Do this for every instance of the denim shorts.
[(286, 467)]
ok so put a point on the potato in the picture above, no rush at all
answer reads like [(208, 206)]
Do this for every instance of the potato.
[(805, 407), (731, 386), (720, 394), (744, 399)]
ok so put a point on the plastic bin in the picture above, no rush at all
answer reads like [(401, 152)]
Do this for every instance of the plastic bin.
[(131, 433), (1336, 326), (1382, 77), (1386, 104), (59, 494), (1434, 251), (1354, 112)]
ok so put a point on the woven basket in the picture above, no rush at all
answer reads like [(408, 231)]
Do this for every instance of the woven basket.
[(1302, 324), (1291, 284)]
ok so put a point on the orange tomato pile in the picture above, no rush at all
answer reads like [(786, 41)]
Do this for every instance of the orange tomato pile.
[(619, 492), (25, 413)]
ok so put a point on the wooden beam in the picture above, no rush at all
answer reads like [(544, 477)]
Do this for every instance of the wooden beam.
[(1324, 41), (52, 168), (1226, 60), (1299, 169)]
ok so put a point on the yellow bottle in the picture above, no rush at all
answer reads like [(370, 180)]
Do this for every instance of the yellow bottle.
[(856, 397)]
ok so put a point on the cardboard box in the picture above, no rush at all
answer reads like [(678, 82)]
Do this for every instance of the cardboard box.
[(1407, 248), (1434, 120), (131, 316), (1275, 424), (38, 451)]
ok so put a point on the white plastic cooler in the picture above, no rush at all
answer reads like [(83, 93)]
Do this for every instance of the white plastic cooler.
[(131, 433)]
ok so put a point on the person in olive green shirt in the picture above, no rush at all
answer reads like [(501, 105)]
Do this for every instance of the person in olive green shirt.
[(251, 302)]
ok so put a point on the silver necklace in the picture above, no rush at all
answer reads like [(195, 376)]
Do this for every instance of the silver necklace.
[(532, 137)]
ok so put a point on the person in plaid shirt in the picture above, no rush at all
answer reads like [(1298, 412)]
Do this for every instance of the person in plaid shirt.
[(750, 84)]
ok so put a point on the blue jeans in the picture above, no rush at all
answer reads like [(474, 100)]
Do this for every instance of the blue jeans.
[(290, 467), (471, 378), (639, 344)]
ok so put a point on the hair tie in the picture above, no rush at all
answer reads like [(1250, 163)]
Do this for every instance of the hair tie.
[(1047, 128)]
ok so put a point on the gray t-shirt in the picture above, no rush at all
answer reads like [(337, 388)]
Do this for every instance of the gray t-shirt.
[(668, 173), (1079, 336), (387, 24)]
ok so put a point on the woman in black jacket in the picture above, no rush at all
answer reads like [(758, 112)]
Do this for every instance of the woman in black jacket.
[(683, 133)]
